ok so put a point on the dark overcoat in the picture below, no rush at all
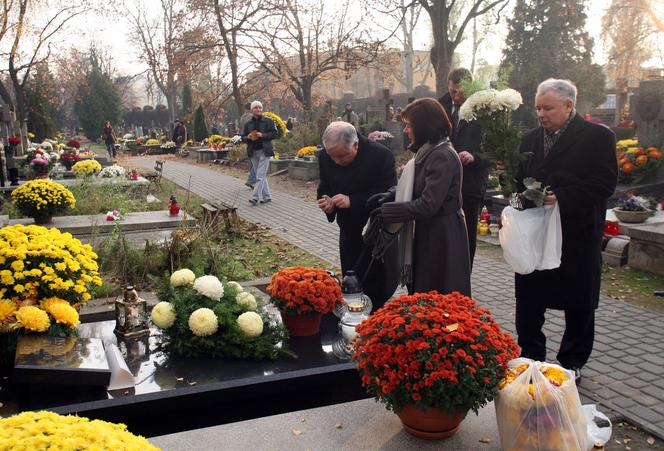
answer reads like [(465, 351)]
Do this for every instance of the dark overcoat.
[(440, 250), (371, 172), (266, 126), (467, 136), (582, 171)]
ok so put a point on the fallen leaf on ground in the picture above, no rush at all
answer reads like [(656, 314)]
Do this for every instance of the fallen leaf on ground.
[(296, 432), (485, 440), (338, 425), (650, 440), (179, 379)]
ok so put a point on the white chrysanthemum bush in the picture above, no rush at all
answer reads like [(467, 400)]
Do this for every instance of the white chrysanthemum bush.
[(207, 316)]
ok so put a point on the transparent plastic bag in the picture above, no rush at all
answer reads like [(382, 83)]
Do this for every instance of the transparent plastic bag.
[(535, 415), (531, 239), (596, 435)]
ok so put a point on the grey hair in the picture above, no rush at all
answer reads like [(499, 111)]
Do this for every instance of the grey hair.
[(562, 89), (339, 132)]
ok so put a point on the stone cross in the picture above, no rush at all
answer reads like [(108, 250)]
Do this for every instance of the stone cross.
[(648, 110)]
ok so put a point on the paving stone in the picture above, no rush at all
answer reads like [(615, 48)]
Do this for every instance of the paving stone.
[(624, 371)]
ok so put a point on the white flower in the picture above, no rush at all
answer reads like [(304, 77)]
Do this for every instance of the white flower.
[(510, 99), (203, 322), (246, 300), (234, 286), (182, 277), (112, 171), (251, 324), (163, 315), (209, 286)]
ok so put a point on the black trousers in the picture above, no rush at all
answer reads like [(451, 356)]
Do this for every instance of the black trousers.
[(471, 210), (576, 344)]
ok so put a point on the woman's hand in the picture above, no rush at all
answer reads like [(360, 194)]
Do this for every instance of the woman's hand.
[(550, 199)]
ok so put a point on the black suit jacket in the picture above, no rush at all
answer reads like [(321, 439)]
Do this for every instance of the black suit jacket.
[(467, 136), (582, 171)]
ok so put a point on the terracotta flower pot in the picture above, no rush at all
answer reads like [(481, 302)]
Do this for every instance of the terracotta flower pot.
[(302, 325), (430, 424)]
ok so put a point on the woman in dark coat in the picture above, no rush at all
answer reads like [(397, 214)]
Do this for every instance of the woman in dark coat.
[(440, 257)]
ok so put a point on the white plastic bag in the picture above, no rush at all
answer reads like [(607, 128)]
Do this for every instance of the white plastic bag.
[(531, 239), (596, 435), (535, 415)]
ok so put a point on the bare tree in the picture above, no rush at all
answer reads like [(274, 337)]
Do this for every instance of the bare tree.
[(308, 40), (28, 27), (169, 43), (449, 21)]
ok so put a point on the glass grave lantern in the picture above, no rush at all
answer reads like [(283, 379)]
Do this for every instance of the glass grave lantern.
[(131, 316), (351, 288), (354, 314)]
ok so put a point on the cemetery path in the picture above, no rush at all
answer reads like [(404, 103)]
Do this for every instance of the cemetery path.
[(625, 371)]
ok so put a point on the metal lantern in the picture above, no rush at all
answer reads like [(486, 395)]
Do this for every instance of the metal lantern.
[(351, 318), (131, 316), (351, 288)]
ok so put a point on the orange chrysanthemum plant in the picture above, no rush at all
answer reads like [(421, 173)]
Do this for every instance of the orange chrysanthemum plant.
[(432, 350), (300, 290)]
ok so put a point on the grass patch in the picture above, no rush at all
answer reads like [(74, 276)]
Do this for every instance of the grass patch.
[(626, 284), (92, 199)]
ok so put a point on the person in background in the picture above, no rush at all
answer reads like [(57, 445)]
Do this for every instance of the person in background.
[(108, 135), (258, 134), (466, 138), (179, 133), (351, 117), (577, 160), (433, 239), (289, 124), (352, 170), (246, 117)]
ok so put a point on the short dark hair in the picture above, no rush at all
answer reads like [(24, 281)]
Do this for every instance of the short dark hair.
[(428, 120), (247, 106), (458, 74)]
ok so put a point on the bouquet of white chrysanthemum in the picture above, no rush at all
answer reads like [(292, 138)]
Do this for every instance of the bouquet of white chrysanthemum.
[(500, 137), (112, 171), (205, 316)]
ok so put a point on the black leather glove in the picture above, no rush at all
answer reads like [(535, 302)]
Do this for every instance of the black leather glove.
[(379, 199)]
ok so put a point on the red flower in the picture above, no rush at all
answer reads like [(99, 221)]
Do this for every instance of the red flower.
[(433, 350), (300, 290), (13, 140)]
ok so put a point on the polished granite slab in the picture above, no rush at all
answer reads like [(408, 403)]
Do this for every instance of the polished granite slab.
[(174, 394)]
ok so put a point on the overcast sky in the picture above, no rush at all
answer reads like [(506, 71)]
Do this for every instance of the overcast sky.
[(113, 34)]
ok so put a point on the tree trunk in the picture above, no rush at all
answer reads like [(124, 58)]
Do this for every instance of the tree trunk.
[(441, 60), (307, 84)]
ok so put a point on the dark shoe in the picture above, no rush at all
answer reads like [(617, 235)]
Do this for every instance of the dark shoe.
[(264, 201), (250, 185), (253, 201)]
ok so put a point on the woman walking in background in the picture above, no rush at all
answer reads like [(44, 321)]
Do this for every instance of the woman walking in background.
[(108, 135)]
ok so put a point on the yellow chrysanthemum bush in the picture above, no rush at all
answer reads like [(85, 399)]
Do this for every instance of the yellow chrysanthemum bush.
[(278, 121), (42, 198), (48, 430), (86, 168), (307, 151), (205, 316)]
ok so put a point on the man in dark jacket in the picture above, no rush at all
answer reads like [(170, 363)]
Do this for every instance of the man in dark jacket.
[(258, 133), (179, 133), (577, 160), (466, 139), (352, 169)]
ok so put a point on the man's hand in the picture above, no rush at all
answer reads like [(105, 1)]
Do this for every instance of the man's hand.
[(550, 199), (341, 201), (325, 204), (466, 157), (259, 135)]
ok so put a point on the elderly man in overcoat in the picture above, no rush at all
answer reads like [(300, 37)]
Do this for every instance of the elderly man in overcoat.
[(353, 169), (577, 160)]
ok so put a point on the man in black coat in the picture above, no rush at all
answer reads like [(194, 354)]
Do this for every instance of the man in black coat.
[(577, 160), (466, 139), (352, 169)]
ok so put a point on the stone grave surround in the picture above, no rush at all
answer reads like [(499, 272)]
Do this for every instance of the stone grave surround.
[(648, 110)]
